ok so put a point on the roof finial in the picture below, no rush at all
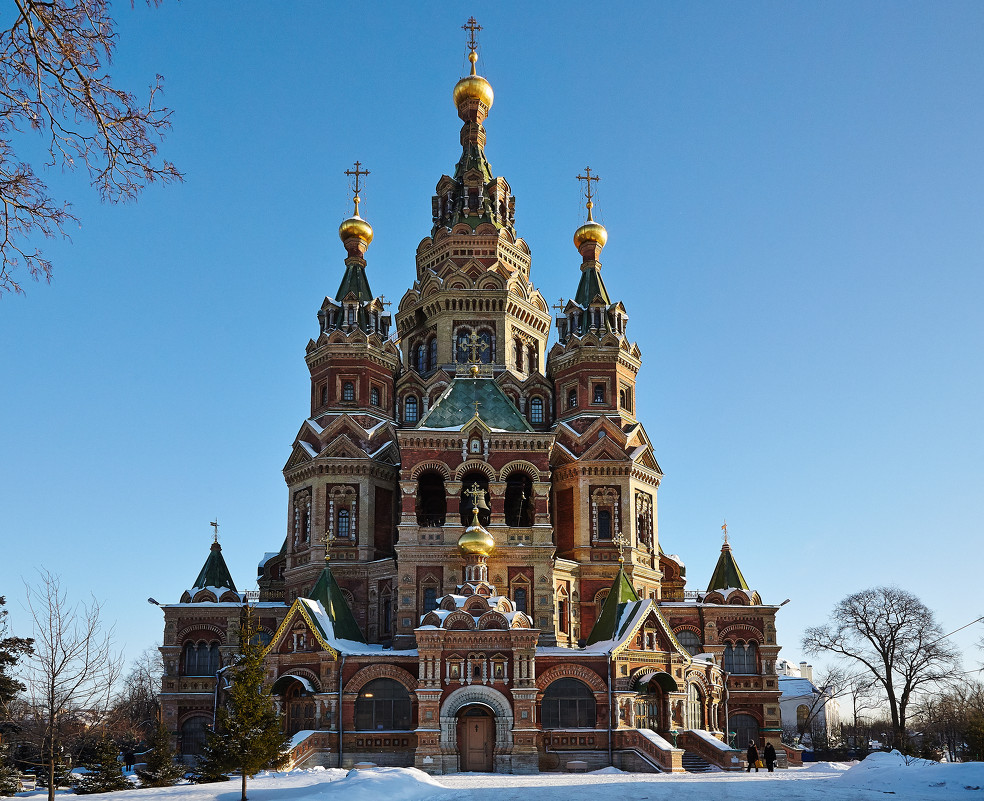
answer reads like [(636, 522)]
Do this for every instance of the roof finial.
[(215, 531), (358, 173), (472, 27), (588, 178), (476, 493), (621, 543), (724, 528), (328, 539)]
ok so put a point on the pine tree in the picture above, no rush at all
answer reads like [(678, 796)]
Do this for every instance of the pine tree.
[(249, 729), (211, 762), (8, 776), (105, 775), (161, 770)]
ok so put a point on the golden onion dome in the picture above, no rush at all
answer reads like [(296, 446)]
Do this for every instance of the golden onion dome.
[(355, 226), (475, 539), (590, 232), (473, 86)]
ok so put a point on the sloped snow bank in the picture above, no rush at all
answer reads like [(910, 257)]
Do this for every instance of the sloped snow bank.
[(892, 772)]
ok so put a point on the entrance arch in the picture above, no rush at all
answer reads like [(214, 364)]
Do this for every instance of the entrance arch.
[(500, 713), (476, 739)]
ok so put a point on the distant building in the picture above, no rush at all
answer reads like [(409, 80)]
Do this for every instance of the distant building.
[(479, 492), (805, 706)]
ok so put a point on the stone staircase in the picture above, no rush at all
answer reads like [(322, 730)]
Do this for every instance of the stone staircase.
[(695, 763)]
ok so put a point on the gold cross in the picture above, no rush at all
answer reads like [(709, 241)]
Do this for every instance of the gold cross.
[(358, 173), (588, 178), (328, 539), (472, 27), (476, 345), (477, 404), (621, 543), (215, 526), (560, 305), (475, 492)]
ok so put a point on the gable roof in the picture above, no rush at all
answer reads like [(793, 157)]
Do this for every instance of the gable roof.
[(214, 572), (727, 574), (456, 406)]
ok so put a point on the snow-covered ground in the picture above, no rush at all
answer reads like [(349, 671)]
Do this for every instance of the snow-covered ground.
[(879, 775)]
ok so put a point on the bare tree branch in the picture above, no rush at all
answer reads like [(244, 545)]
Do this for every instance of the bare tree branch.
[(54, 81)]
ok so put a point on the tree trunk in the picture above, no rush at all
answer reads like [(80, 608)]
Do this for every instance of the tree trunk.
[(244, 786)]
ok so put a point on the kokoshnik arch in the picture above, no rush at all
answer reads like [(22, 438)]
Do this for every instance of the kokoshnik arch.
[(497, 597)]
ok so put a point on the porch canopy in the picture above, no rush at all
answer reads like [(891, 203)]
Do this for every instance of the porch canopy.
[(284, 681), (663, 679)]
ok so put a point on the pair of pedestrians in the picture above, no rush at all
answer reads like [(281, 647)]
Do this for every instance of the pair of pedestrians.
[(753, 758)]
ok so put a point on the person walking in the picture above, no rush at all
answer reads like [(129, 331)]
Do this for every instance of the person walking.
[(753, 756), (770, 757)]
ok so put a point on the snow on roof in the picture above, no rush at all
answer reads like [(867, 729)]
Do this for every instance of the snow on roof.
[(711, 740), (266, 558), (317, 428), (310, 451), (792, 686), (327, 630)]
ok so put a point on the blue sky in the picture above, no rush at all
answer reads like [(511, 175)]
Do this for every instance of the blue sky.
[(793, 194)]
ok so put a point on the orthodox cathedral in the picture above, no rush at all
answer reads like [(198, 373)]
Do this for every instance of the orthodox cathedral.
[(471, 577)]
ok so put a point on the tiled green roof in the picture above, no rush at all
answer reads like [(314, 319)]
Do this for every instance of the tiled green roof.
[(621, 593), (214, 572), (727, 574), (329, 595), (456, 406)]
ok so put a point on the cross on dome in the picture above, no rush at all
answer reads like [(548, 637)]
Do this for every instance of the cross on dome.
[(588, 178)]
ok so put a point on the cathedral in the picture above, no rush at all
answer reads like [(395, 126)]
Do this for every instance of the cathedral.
[(471, 576)]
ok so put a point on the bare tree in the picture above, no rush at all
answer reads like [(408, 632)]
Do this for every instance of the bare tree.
[(897, 640), (54, 81), (137, 707), (73, 670)]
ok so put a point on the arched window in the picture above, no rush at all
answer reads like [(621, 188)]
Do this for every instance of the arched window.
[(695, 707), (193, 733), (432, 505), (621, 398), (324, 394), (532, 358), (383, 705), (568, 704), (385, 613), (201, 659), (599, 394), (410, 409), (420, 358), (344, 524), (802, 716), (487, 354), (374, 396), (432, 353), (348, 391), (430, 599), (741, 658), (604, 524), (536, 410), (572, 399), (690, 641), (462, 354), (519, 500)]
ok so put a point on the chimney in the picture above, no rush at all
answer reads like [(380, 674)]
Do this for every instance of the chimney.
[(806, 671)]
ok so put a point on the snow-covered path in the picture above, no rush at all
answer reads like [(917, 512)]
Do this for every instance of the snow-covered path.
[(879, 777)]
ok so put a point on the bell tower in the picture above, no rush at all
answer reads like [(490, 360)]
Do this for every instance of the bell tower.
[(473, 277)]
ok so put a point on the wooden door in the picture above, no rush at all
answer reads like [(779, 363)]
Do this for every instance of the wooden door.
[(476, 739)]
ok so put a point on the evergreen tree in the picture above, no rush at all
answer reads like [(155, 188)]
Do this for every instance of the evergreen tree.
[(161, 770), (210, 765), (104, 774), (250, 737), (11, 650), (8, 775)]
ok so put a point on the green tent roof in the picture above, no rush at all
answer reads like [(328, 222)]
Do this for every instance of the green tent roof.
[(354, 280), (456, 406), (727, 574), (214, 572), (329, 595), (591, 286), (621, 593)]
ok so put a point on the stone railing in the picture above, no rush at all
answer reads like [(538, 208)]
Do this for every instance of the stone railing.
[(710, 749), (653, 746)]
